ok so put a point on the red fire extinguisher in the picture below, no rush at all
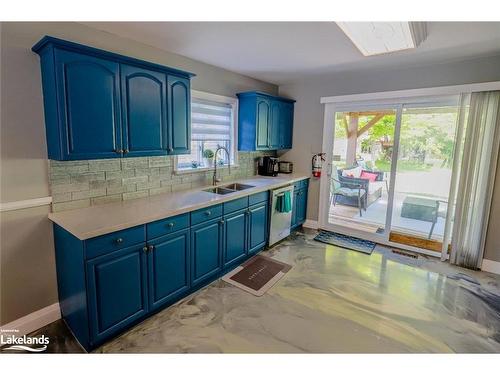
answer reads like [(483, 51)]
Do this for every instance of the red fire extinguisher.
[(317, 161)]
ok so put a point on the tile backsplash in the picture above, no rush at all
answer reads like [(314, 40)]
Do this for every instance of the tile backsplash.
[(83, 183)]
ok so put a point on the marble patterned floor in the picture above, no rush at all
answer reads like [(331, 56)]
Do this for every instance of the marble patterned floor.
[(332, 301)]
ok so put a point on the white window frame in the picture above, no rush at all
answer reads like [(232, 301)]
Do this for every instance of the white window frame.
[(233, 102)]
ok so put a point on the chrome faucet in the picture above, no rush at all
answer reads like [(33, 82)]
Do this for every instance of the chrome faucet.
[(214, 178)]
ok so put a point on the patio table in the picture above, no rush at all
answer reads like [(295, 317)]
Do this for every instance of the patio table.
[(423, 209)]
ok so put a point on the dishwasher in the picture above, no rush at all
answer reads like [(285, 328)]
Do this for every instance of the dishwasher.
[(280, 221)]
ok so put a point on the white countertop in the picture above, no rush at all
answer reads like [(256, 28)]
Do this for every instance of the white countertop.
[(85, 223)]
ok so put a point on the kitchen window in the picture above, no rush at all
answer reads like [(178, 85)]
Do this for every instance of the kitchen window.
[(213, 124)]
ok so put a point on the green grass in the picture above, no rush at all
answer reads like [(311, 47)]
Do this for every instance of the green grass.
[(403, 166)]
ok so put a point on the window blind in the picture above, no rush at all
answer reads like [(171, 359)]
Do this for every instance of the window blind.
[(210, 121)]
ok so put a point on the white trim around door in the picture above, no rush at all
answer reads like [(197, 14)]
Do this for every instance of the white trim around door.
[(399, 94)]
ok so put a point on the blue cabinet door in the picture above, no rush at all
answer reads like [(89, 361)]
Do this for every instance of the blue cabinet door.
[(275, 126), (294, 209), (262, 124), (179, 100), (89, 106), (144, 111), (206, 250), (257, 227), (117, 291), (286, 125), (299, 208), (168, 266), (235, 237)]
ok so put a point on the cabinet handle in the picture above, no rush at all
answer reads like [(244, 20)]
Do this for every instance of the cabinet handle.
[(170, 149), (208, 213), (171, 225), (118, 151), (222, 221), (119, 240), (125, 151), (151, 247), (145, 249)]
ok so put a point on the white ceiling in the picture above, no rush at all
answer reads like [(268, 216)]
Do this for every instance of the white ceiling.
[(280, 52)]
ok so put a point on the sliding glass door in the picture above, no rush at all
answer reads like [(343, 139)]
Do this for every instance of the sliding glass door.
[(390, 170), (361, 167), (424, 170)]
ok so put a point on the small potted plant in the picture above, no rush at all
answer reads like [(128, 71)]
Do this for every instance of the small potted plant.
[(208, 155)]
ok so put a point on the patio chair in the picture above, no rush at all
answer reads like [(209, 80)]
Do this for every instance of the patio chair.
[(348, 190), (373, 189)]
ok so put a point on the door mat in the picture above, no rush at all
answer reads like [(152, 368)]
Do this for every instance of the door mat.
[(257, 275), (348, 242)]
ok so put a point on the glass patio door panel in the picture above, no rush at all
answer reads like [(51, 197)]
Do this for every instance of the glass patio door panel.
[(424, 168), (361, 160)]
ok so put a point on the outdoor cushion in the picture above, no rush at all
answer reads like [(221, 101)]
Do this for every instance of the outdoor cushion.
[(350, 192), (372, 177), (353, 172)]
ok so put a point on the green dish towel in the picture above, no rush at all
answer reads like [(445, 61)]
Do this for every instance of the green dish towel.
[(284, 202)]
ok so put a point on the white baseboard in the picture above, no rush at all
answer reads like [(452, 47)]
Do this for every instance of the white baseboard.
[(490, 266), (311, 224), (34, 321)]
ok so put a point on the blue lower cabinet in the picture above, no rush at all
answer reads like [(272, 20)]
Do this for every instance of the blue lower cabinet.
[(235, 237), (168, 266), (206, 250), (257, 227), (117, 291), (294, 209), (108, 283), (299, 207)]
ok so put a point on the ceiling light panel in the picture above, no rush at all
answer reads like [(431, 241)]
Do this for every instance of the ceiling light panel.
[(374, 38)]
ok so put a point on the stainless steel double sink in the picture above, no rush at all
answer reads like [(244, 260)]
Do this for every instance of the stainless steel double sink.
[(228, 189)]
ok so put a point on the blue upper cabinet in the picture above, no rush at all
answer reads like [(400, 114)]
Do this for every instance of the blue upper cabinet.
[(262, 124), (179, 95), (100, 104), (286, 125), (145, 130), (89, 106), (275, 125), (265, 122)]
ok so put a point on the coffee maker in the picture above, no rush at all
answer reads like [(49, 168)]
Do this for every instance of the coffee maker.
[(268, 166)]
